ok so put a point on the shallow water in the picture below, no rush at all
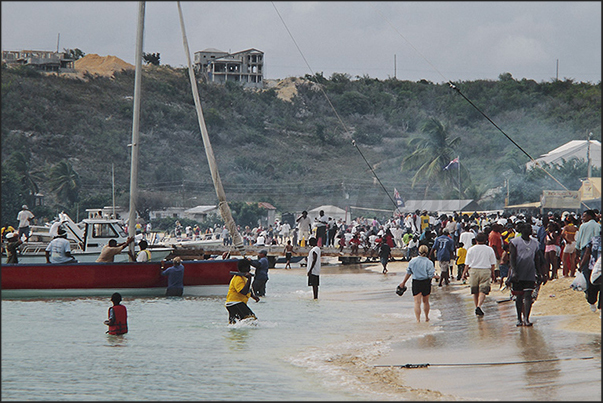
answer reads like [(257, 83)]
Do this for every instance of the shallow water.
[(298, 349)]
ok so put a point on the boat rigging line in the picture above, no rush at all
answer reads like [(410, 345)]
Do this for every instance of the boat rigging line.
[(333, 107), (472, 364), (213, 167), (454, 87)]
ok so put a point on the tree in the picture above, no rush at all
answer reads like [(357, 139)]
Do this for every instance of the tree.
[(29, 178), (151, 58), (11, 195), (74, 54), (433, 151), (65, 181)]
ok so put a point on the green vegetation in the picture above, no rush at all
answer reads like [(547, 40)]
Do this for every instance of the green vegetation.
[(61, 136)]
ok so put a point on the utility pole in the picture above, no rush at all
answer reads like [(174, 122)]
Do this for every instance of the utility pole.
[(590, 134), (557, 74), (58, 39), (395, 66)]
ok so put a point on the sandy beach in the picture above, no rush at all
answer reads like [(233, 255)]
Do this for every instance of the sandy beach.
[(556, 299)]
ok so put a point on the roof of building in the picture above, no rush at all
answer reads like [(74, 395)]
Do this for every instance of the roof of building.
[(572, 149), (329, 209), (201, 209), (441, 205)]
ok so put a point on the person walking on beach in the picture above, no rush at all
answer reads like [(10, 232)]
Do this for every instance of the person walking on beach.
[(461, 254), (527, 266), (314, 266), (118, 316), (384, 254), (443, 248), (261, 273), (175, 275), (288, 250), (422, 271), (239, 291), (481, 260)]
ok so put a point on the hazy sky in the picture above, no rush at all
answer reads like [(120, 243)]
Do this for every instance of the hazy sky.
[(437, 41)]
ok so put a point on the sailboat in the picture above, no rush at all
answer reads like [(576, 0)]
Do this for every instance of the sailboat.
[(201, 277)]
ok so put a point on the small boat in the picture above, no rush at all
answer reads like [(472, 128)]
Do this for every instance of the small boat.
[(132, 279), (87, 239)]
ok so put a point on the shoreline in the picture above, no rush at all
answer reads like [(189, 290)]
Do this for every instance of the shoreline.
[(555, 299)]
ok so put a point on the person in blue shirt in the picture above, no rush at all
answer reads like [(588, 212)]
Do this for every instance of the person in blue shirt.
[(422, 271), (261, 273), (443, 249), (175, 275)]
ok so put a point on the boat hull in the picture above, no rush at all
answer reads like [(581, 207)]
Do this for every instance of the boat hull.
[(202, 277)]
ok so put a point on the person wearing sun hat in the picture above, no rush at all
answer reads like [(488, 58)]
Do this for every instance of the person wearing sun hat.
[(12, 243)]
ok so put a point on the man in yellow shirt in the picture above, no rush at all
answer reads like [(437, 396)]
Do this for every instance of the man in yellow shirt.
[(424, 220), (239, 291)]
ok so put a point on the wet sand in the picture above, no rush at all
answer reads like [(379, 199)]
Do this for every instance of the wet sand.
[(489, 358)]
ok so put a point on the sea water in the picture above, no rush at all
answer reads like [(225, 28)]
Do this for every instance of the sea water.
[(184, 349)]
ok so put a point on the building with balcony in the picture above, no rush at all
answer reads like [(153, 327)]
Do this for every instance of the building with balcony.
[(245, 67)]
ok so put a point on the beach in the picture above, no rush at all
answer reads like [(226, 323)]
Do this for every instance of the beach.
[(558, 311)]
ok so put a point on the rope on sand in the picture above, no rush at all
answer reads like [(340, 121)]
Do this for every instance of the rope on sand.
[(482, 363)]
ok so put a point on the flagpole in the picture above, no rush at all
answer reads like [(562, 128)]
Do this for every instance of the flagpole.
[(459, 173)]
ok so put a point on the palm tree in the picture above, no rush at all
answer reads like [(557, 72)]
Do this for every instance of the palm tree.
[(433, 152), (65, 181), (29, 178)]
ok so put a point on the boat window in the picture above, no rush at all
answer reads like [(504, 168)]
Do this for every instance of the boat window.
[(103, 231)]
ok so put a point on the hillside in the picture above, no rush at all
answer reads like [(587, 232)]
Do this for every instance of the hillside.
[(284, 144)]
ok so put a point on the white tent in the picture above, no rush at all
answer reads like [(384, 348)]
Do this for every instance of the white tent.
[(573, 149), (330, 211)]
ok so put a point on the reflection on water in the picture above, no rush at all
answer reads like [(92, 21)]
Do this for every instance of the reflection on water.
[(541, 376)]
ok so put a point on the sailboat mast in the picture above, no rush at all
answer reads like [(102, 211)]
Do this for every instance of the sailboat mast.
[(213, 167), (136, 125)]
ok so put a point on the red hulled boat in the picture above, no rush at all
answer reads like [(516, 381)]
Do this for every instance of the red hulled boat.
[(201, 278)]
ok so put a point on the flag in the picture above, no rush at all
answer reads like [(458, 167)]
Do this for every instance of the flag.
[(452, 164), (399, 201)]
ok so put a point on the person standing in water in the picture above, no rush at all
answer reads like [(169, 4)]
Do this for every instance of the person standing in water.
[(314, 266), (422, 270), (239, 291), (118, 316), (175, 275), (288, 250)]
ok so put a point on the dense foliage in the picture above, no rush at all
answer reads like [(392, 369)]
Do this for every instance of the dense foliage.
[(61, 137)]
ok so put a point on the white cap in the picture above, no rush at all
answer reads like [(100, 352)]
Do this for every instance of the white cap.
[(10, 235)]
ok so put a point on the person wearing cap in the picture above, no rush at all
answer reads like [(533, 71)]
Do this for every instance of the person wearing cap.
[(24, 217), (12, 243), (239, 291), (422, 270), (175, 275), (59, 249), (261, 273)]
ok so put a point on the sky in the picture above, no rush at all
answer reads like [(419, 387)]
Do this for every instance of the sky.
[(435, 41)]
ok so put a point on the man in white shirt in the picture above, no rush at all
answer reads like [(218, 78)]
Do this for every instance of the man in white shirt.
[(24, 217), (304, 226), (314, 266), (59, 249), (481, 260)]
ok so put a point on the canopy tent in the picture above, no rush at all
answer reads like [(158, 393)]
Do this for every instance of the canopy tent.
[(330, 211)]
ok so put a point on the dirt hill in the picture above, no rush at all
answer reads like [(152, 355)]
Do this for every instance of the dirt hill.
[(101, 65)]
